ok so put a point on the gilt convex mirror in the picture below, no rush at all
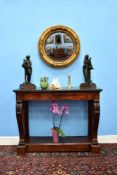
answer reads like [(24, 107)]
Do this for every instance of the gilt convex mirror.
[(59, 46)]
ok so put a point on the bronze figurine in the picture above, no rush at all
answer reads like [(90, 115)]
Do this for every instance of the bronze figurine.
[(87, 67), (27, 65)]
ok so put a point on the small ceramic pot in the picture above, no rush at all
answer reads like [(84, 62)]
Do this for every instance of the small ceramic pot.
[(55, 135)]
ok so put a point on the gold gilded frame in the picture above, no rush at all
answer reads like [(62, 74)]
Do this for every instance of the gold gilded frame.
[(50, 31)]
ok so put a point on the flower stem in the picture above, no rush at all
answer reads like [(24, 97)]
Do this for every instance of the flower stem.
[(60, 121), (53, 122)]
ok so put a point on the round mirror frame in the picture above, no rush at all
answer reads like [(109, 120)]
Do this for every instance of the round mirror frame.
[(50, 31)]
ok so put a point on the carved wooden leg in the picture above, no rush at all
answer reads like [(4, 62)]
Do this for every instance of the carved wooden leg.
[(21, 146), (96, 114), (25, 119), (90, 118)]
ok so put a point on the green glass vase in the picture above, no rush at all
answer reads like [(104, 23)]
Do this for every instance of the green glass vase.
[(44, 83)]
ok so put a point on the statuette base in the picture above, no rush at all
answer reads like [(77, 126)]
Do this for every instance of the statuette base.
[(87, 86), (27, 86)]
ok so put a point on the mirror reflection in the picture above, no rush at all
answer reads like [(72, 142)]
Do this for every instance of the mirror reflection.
[(59, 46)]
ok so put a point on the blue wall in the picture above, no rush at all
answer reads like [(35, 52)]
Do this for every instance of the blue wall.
[(21, 25)]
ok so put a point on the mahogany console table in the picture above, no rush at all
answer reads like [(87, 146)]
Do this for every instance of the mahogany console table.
[(45, 144)]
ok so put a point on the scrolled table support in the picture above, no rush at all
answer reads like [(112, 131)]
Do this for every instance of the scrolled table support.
[(90, 117), (96, 116), (21, 146)]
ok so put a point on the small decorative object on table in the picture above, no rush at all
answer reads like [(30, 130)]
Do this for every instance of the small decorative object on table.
[(27, 65), (69, 82), (58, 112), (55, 84), (87, 67), (44, 83)]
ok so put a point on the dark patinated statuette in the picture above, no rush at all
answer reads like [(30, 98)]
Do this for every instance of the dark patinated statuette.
[(87, 67), (27, 65)]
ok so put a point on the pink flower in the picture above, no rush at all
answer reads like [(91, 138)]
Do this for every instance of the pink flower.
[(54, 108), (64, 109), (60, 112)]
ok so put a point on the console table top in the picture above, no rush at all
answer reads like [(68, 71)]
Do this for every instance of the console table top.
[(58, 90)]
